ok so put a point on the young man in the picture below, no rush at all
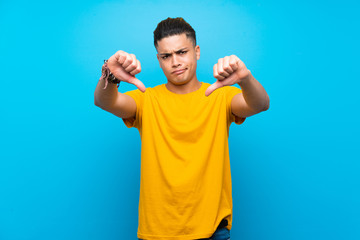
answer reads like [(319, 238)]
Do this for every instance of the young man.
[(185, 187)]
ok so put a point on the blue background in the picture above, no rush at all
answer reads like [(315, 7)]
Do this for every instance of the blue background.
[(70, 170)]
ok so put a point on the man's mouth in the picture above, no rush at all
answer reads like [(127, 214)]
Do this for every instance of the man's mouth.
[(179, 71)]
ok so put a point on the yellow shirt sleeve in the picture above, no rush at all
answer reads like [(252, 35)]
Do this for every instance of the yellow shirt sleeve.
[(136, 121), (230, 93)]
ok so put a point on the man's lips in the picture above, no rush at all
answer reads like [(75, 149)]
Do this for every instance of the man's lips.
[(179, 71)]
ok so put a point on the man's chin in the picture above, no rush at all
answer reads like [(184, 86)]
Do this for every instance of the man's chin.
[(178, 82)]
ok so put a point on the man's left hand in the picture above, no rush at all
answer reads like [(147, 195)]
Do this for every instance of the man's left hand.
[(228, 71)]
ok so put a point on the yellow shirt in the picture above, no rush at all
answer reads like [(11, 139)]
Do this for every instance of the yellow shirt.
[(185, 186)]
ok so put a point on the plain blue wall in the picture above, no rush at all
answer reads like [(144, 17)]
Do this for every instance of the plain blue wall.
[(70, 170)]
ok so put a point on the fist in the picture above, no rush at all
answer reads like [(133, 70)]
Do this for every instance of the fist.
[(228, 71), (125, 66)]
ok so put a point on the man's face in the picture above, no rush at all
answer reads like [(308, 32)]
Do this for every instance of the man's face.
[(178, 57)]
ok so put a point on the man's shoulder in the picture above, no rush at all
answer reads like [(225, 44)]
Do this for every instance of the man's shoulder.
[(157, 88)]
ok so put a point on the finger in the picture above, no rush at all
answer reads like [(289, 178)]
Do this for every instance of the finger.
[(213, 87), (233, 62), (121, 57), (128, 61), (227, 66), (220, 68), (241, 64), (133, 64), (137, 70), (216, 74), (138, 84)]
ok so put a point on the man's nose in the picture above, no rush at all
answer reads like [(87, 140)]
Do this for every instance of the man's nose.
[(175, 61)]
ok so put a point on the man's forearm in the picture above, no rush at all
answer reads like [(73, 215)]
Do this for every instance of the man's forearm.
[(254, 94), (105, 97)]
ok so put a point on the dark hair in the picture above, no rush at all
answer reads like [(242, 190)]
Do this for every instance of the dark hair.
[(173, 26)]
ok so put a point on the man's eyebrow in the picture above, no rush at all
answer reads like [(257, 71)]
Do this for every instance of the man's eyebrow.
[(177, 51)]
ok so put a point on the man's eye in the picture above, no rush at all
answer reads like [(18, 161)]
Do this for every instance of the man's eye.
[(182, 52), (164, 57)]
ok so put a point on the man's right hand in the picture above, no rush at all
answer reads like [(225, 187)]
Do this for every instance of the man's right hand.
[(125, 66)]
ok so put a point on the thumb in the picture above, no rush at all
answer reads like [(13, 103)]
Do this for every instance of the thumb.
[(213, 87), (137, 83)]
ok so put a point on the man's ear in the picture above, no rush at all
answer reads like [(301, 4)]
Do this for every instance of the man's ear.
[(197, 52)]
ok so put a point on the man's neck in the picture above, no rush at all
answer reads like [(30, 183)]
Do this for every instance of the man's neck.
[(189, 87)]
